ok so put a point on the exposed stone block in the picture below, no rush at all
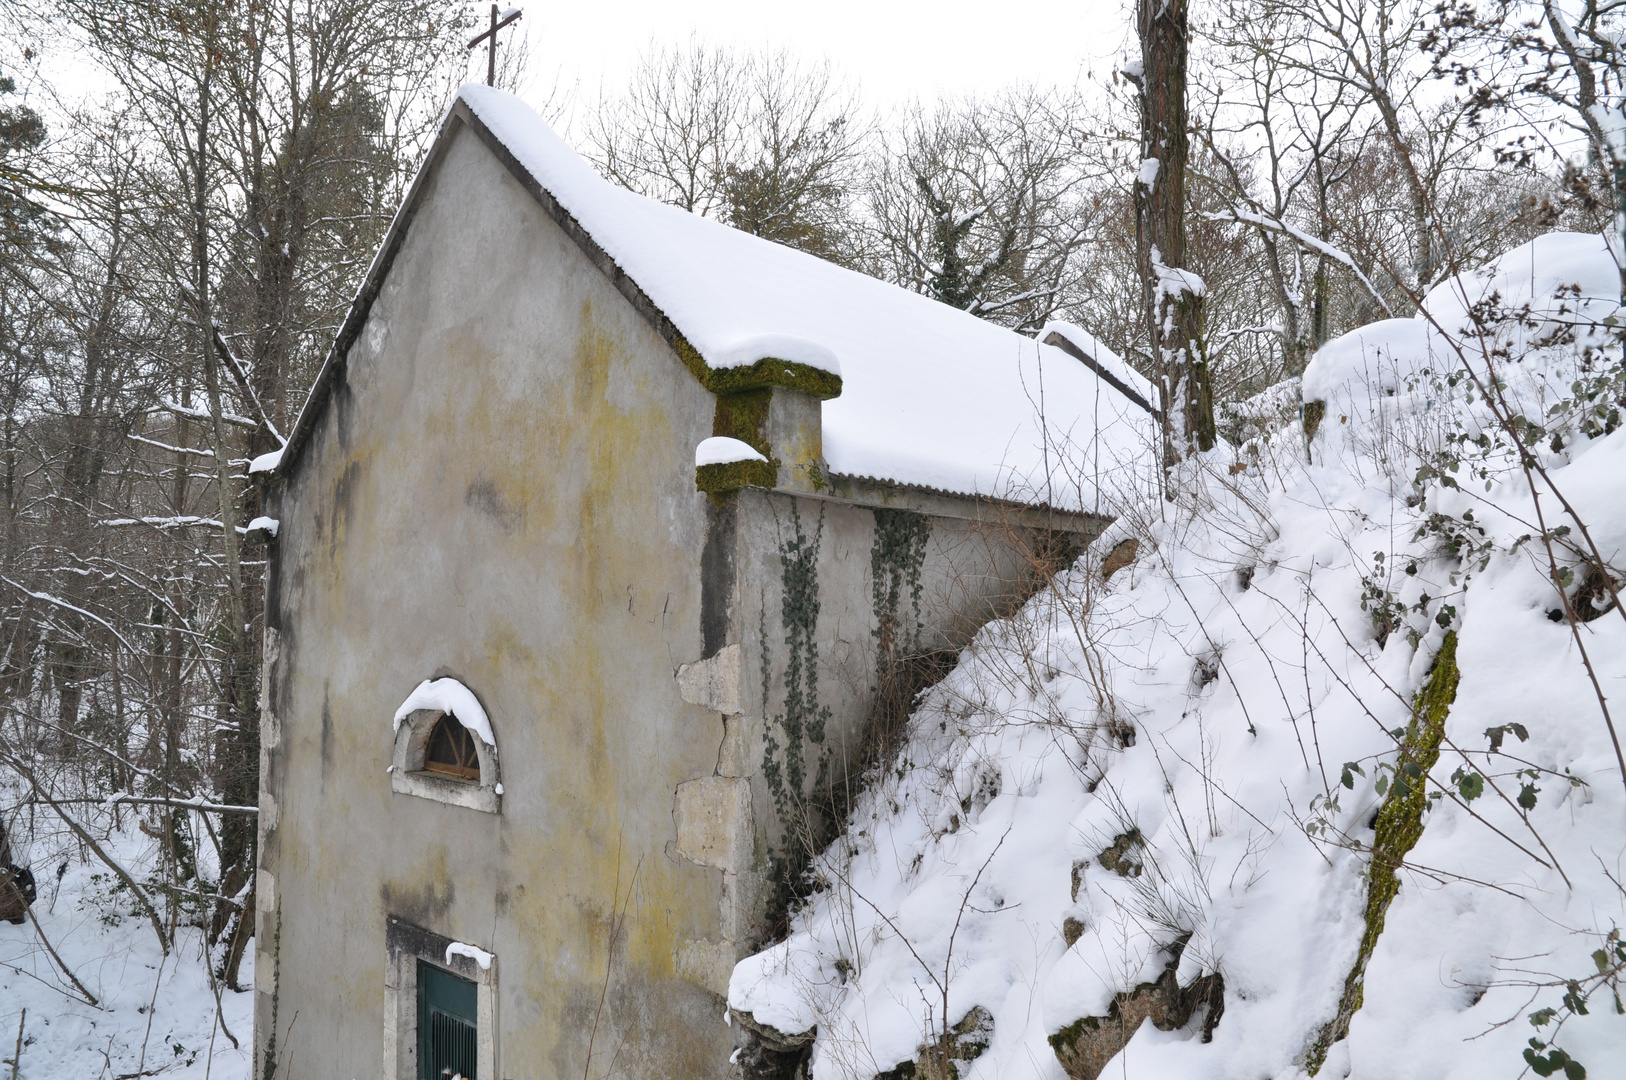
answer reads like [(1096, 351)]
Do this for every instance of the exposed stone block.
[(708, 963), (713, 683), (713, 816), (737, 756)]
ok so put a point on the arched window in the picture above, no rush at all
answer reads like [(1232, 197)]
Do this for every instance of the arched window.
[(445, 748), (451, 750)]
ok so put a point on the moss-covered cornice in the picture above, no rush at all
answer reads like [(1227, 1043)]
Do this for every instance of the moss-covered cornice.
[(769, 371), (722, 478)]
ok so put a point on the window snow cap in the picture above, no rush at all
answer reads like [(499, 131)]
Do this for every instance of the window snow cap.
[(452, 698)]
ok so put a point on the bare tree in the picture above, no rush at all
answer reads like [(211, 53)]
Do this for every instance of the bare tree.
[(761, 141), (1556, 72), (226, 203), (986, 205)]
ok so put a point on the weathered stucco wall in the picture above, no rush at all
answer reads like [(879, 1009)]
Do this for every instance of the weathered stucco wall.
[(501, 489), (809, 582)]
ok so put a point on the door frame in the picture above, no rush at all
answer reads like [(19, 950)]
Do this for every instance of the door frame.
[(404, 945)]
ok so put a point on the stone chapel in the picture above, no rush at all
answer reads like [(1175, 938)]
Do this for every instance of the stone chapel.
[(598, 543)]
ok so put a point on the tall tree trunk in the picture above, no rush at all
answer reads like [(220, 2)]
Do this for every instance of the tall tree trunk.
[(1172, 296), (237, 738)]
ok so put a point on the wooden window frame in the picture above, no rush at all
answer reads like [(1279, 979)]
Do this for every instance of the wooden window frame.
[(460, 737), (409, 776)]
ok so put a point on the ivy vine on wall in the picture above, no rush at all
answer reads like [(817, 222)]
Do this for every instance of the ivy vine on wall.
[(801, 725), (895, 559)]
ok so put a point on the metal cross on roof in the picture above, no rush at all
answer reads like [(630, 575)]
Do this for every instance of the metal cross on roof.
[(497, 23)]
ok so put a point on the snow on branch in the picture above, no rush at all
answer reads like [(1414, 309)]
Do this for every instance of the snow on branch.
[(175, 521), (1320, 247), (172, 449), (58, 602), (195, 803), (203, 414)]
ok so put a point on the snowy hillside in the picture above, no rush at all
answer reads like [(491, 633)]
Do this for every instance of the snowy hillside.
[(1329, 753), (153, 1014)]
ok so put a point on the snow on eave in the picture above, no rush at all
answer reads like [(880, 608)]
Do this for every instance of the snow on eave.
[(266, 463), (1084, 346), (797, 350), (993, 501), (722, 450)]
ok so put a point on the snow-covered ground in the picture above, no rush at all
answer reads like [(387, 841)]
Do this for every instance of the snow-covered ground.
[(155, 1015), (1181, 768)]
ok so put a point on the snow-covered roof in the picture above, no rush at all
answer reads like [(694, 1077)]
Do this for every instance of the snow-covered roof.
[(930, 396)]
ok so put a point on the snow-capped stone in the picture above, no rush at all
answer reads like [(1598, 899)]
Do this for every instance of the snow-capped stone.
[(722, 450)]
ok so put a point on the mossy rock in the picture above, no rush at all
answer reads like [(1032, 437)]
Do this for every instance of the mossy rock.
[(1088, 1044), (766, 1053), (1122, 554), (1124, 856), (965, 1044)]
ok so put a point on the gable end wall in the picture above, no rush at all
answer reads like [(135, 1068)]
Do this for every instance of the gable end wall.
[(499, 489)]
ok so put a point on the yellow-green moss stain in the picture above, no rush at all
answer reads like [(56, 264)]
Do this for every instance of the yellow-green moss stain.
[(744, 416), (589, 726), (733, 475), (804, 454), (1399, 827), (562, 461)]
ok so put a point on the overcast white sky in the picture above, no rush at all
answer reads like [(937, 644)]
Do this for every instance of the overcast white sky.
[(895, 50)]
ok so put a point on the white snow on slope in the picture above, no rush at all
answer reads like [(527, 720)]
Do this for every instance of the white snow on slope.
[(448, 696), (112, 950), (1564, 277), (1208, 698), (931, 395)]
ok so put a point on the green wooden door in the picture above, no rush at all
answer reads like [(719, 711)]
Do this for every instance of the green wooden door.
[(446, 1025)]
